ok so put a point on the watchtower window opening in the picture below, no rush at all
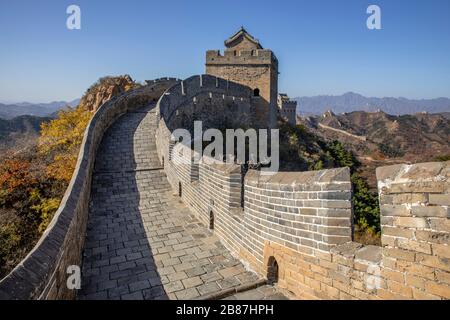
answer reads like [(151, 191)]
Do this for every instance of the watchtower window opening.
[(180, 189), (211, 220), (256, 92), (272, 270), (162, 161)]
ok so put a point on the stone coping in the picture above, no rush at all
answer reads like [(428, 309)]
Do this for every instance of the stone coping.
[(298, 178)]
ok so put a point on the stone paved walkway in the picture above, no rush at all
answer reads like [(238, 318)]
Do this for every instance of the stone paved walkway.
[(142, 242), (266, 292)]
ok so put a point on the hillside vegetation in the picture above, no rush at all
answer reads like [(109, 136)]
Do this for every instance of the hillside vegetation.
[(389, 139), (34, 180)]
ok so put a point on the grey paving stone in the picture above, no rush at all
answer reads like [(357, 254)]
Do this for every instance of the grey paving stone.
[(197, 271), (133, 296), (192, 282), (173, 286), (139, 285), (141, 241), (208, 288), (187, 294)]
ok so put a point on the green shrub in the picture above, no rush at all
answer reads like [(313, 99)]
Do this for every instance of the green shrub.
[(442, 158)]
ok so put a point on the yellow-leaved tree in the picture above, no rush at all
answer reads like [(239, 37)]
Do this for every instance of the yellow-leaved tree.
[(60, 141)]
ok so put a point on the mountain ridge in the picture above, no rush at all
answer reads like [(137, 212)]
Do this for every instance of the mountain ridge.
[(380, 139), (351, 101), (10, 111)]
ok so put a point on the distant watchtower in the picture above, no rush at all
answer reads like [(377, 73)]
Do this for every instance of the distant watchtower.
[(246, 62)]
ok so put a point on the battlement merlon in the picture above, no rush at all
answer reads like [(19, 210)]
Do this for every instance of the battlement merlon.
[(290, 103), (241, 57)]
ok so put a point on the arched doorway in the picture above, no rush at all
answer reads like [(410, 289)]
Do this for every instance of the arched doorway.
[(272, 270), (211, 220), (256, 92)]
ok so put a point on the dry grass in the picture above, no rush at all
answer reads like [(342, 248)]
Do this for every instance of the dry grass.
[(367, 237)]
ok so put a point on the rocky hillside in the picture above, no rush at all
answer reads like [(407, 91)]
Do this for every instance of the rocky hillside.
[(104, 89), (378, 138)]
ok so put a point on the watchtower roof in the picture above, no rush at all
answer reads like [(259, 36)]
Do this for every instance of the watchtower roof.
[(240, 36)]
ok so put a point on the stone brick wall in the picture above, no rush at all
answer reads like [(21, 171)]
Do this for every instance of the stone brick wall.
[(42, 274), (415, 214), (303, 221)]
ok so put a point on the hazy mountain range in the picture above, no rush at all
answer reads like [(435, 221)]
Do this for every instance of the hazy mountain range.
[(351, 101), (10, 111)]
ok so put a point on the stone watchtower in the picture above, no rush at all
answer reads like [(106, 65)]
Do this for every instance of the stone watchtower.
[(246, 62), (287, 109)]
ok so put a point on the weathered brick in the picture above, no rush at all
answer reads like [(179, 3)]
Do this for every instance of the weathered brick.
[(392, 275), (421, 295), (443, 276), (415, 281), (323, 255), (385, 294), (410, 222), (395, 210), (441, 250), (416, 269), (412, 245), (397, 232), (399, 254), (399, 288), (441, 290), (338, 204), (339, 277), (388, 262), (319, 270), (388, 241), (440, 199), (330, 291), (417, 187), (429, 211), (410, 198), (439, 224), (433, 261), (433, 237)]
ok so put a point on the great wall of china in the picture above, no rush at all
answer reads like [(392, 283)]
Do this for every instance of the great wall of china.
[(300, 221), (134, 238)]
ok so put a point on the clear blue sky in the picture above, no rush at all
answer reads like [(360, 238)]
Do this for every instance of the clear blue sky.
[(323, 46)]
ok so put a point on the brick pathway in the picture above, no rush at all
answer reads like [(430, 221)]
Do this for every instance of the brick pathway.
[(142, 242), (266, 292)]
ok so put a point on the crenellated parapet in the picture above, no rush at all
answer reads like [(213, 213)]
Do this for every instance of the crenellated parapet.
[(300, 223), (415, 221), (241, 57)]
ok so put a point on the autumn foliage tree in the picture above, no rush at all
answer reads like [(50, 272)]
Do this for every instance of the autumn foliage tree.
[(33, 181), (60, 141)]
